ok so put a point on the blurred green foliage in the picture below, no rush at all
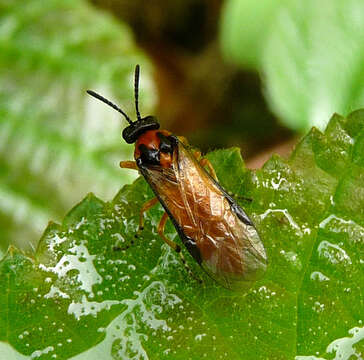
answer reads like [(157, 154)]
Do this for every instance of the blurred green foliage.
[(310, 54), (56, 143), (78, 295), (75, 293)]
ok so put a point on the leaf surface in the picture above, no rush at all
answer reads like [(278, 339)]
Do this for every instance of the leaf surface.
[(53, 135), (310, 54), (80, 297)]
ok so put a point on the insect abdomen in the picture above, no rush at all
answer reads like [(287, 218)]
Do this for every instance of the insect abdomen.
[(212, 226)]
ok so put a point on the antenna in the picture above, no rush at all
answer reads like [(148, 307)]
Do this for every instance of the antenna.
[(136, 91), (108, 102)]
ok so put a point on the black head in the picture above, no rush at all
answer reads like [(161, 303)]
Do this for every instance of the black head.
[(141, 125), (134, 130)]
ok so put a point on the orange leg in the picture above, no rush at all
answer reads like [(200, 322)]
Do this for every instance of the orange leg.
[(197, 154), (129, 165), (146, 206), (174, 246), (161, 227), (206, 162), (183, 140), (149, 204)]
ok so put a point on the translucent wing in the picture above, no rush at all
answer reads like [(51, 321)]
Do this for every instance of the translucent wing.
[(229, 247)]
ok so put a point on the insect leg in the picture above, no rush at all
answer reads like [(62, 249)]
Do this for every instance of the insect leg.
[(129, 165), (160, 230), (146, 206), (240, 197), (206, 162), (183, 140), (149, 204), (197, 155), (174, 246)]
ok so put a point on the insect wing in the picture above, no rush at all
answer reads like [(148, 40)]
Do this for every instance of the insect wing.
[(231, 250), (213, 227)]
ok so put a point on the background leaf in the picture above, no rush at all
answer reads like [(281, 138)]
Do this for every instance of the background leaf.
[(245, 24), (313, 61), (51, 136), (78, 294), (310, 54)]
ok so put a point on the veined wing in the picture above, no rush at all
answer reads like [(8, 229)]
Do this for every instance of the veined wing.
[(229, 248)]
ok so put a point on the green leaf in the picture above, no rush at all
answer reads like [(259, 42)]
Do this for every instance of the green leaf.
[(78, 296), (310, 54), (245, 25), (52, 135), (313, 61)]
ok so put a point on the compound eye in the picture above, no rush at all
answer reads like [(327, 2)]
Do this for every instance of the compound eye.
[(149, 156)]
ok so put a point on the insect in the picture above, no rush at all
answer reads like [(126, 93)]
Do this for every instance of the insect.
[(212, 226)]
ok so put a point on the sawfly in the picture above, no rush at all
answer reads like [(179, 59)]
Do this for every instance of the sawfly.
[(215, 230)]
